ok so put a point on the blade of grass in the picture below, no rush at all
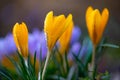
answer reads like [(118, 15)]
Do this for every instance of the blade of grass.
[(30, 69), (24, 66), (66, 61), (34, 61), (5, 74), (40, 65), (110, 45), (81, 66), (18, 69), (71, 73)]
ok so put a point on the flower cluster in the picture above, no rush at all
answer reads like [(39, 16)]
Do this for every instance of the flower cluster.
[(36, 41), (69, 50)]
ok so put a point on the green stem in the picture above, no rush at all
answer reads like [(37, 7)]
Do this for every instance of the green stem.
[(93, 56), (26, 62), (91, 66), (64, 64), (46, 63), (39, 74)]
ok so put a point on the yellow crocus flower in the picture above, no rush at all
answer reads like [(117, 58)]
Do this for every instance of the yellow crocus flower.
[(54, 26), (20, 34), (96, 23), (65, 38)]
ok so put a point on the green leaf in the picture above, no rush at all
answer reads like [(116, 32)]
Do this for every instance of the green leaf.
[(23, 66), (18, 68), (71, 72), (55, 77), (15, 65), (110, 45), (87, 51), (5, 74), (34, 61), (66, 61), (40, 65), (81, 66), (30, 69), (59, 55)]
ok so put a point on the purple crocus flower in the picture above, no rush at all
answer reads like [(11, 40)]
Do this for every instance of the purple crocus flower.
[(32, 43), (75, 49), (2, 47), (76, 33), (80, 50), (9, 44), (43, 45), (37, 43)]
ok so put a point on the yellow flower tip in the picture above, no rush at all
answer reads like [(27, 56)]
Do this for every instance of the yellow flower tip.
[(70, 16), (105, 15), (89, 10), (49, 13), (20, 35), (23, 24), (48, 18), (106, 11)]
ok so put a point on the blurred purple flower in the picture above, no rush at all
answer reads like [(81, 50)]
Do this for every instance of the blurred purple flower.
[(78, 49), (75, 35), (37, 43), (75, 49), (82, 51), (2, 47), (9, 44)]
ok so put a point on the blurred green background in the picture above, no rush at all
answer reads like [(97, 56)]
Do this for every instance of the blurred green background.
[(33, 12)]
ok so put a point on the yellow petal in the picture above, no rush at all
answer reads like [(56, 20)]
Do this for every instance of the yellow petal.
[(103, 22), (20, 34), (68, 21), (58, 25), (97, 21), (65, 38), (97, 27), (90, 20), (105, 16)]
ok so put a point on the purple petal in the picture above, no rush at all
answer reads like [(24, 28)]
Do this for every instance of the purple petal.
[(37, 42), (75, 35), (74, 50), (2, 48), (9, 44)]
